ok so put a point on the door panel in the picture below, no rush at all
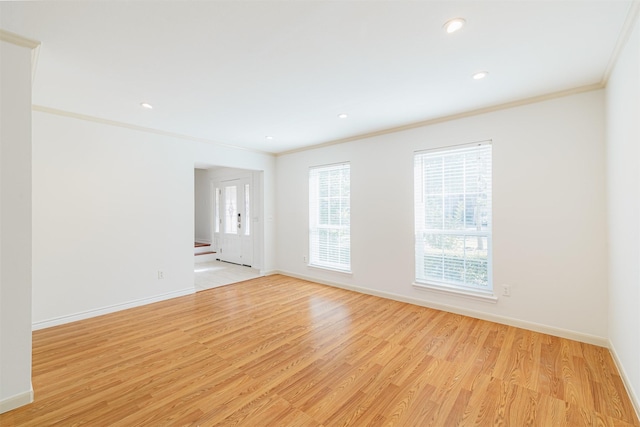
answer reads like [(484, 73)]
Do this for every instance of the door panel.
[(235, 240)]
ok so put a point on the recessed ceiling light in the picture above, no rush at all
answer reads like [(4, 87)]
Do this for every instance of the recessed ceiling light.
[(480, 75), (342, 116), (269, 138), (453, 25), (146, 105)]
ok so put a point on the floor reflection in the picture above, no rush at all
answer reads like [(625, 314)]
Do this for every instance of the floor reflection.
[(213, 274)]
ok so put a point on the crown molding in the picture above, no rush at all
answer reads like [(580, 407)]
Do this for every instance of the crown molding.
[(18, 40), (490, 109), (623, 37), (115, 123), (414, 125)]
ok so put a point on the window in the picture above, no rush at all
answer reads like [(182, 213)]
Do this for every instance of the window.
[(230, 209), (247, 215), (217, 211), (453, 217), (330, 217)]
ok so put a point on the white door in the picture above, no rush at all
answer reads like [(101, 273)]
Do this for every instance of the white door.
[(233, 217)]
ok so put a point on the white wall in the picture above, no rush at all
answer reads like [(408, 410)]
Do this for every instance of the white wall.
[(15, 226), (623, 189), (202, 206), (111, 207), (549, 240)]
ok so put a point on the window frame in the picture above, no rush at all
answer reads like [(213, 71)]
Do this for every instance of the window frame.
[(314, 222), (461, 288), (247, 210), (230, 224)]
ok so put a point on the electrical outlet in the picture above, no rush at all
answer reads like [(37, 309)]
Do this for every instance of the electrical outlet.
[(506, 290), (304, 259), (160, 274)]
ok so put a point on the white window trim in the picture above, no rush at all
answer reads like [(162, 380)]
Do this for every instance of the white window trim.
[(455, 147), (478, 295), (337, 270)]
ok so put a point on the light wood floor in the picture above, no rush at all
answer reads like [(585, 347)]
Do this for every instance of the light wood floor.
[(277, 351)]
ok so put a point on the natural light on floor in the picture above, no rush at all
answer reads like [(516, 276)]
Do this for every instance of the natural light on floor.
[(217, 273)]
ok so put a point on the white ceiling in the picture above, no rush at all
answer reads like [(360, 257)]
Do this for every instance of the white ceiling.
[(236, 71)]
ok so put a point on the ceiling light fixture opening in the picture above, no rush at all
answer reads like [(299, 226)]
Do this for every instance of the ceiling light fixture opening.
[(343, 116), (453, 25), (146, 105), (480, 75), (269, 138)]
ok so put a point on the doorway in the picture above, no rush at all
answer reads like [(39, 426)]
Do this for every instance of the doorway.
[(229, 221)]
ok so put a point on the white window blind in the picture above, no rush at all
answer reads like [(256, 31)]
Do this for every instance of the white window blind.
[(452, 202), (330, 216)]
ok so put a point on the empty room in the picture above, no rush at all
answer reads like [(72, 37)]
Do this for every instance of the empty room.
[(320, 213)]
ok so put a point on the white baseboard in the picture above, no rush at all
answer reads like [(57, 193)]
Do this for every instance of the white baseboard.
[(532, 326), (13, 402), (625, 379), (109, 309)]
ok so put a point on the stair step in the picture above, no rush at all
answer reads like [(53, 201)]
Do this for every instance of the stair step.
[(201, 245), (204, 253)]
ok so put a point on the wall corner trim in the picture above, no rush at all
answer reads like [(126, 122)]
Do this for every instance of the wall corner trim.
[(18, 40), (635, 400), (109, 309), (625, 33), (16, 401), (509, 321)]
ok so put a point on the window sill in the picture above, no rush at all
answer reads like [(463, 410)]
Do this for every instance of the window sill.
[(488, 297), (336, 270)]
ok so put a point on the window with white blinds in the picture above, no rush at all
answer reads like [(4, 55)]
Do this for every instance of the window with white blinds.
[(330, 217), (452, 202)]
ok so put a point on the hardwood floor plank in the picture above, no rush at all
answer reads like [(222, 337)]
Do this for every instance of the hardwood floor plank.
[(278, 351), (550, 382)]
